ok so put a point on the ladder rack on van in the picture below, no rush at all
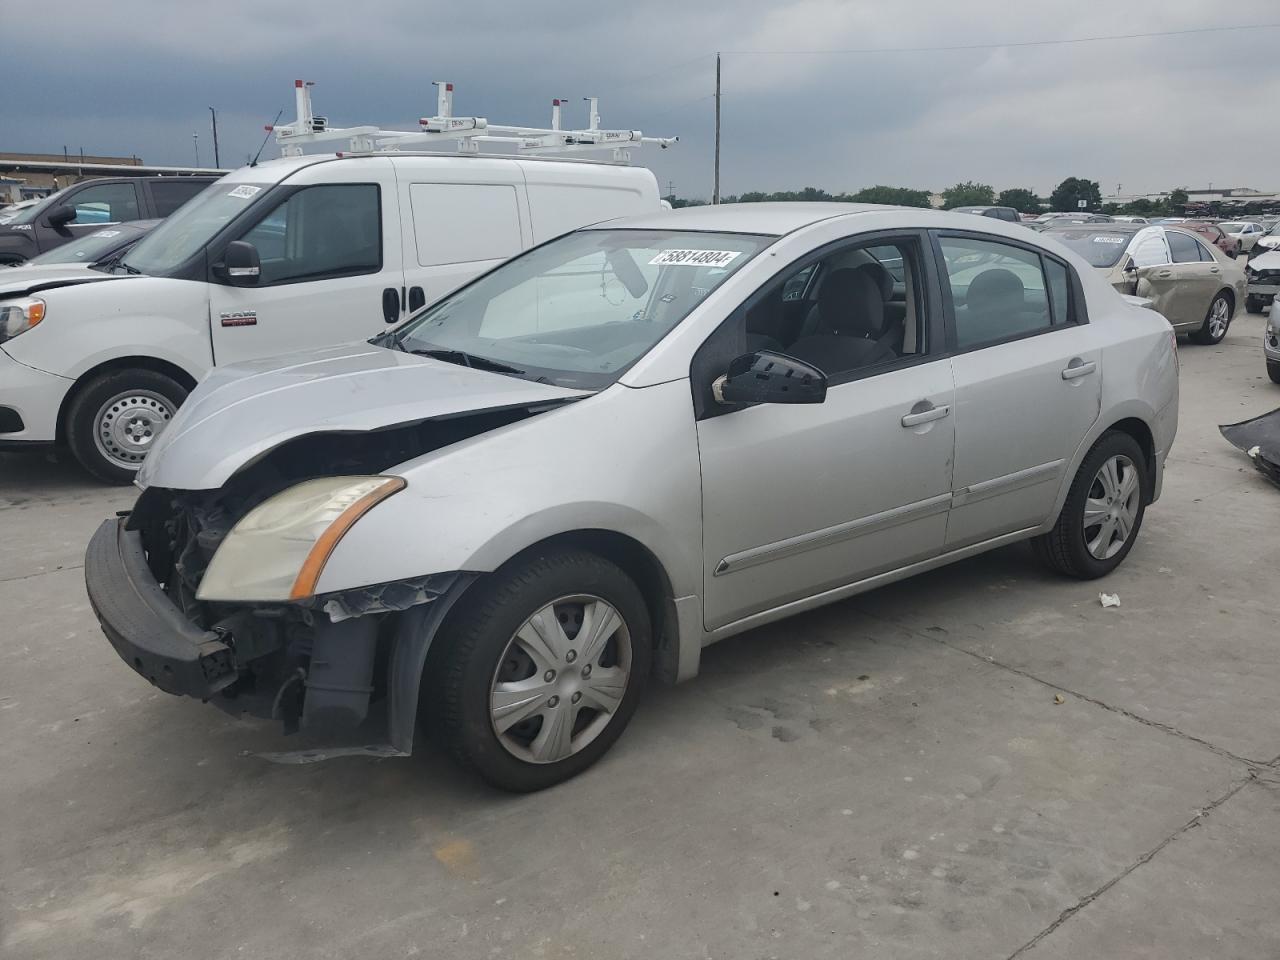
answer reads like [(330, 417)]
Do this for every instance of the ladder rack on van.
[(469, 133)]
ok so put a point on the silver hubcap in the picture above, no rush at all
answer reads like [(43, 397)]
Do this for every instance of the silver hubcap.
[(1112, 507), (128, 424), (1218, 318), (561, 678)]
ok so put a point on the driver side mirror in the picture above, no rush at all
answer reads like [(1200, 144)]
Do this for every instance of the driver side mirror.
[(60, 216), (1130, 267), (768, 377), (240, 265)]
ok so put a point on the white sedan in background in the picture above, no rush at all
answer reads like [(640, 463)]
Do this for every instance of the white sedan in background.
[(1247, 232)]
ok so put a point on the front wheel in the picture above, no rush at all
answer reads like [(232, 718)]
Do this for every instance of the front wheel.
[(1216, 321), (540, 668), (1273, 370), (1103, 512), (114, 420)]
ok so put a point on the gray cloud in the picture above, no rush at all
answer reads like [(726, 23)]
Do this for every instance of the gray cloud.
[(1151, 113)]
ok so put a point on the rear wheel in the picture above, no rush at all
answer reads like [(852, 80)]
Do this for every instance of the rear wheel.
[(115, 419), (540, 668), (1216, 321), (1103, 512)]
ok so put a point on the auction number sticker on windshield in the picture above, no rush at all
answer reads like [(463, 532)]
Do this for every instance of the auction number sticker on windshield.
[(107, 233), (244, 191), (694, 258), (1108, 239)]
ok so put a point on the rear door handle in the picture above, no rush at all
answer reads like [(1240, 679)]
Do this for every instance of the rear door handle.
[(1164, 273), (1215, 269), (926, 416), (417, 299), (1078, 369)]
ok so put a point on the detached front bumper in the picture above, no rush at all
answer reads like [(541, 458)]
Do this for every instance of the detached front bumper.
[(144, 625)]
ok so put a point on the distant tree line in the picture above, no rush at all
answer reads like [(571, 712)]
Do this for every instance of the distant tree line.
[(1067, 196)]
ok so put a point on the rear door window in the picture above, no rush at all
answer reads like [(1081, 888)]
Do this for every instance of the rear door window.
[(998, 291), (1183, 247), (465, 222)]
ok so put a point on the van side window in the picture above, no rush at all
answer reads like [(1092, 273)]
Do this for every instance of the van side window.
[(332, 230), (464, 222)]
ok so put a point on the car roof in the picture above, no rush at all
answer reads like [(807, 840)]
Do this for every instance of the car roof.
[(1118, 227), (774, 219)]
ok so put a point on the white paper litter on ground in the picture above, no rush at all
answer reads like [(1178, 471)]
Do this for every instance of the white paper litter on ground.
[(1109, 599)]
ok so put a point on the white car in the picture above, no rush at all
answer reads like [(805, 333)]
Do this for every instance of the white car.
[(1246, 232), (290, 253), (629, 443), (1268, 241)]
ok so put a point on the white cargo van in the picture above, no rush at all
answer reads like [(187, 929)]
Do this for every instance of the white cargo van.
[(296, 252)]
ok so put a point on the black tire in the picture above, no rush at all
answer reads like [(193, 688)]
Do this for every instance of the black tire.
[(1204, 335), (1273, 370), (1063, 549), (82, 416), (474, 638), (1253, 305)]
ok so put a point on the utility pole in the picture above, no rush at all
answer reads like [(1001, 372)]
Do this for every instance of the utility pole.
[(715, 190), (195, 142), (217, 160)]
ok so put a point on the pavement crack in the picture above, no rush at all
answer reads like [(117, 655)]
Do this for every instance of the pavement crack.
[(1146, 858), (1220, 751), (42, 573)]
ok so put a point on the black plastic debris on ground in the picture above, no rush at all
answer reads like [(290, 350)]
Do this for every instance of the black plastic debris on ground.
[(1260, 439)]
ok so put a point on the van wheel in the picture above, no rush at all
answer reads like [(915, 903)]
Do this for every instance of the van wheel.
[(1103, 512), (1216, 321), (115, 418), (1273, 370), (539, 669)]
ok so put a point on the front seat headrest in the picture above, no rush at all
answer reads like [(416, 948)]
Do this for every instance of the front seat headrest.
[(850, 303), (882, 278)]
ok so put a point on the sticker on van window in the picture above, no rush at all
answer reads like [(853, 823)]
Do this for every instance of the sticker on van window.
[(694, 258), (244, 191), (107, 233), (1108, 239)]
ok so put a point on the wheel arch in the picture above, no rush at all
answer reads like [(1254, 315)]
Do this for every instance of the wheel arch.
[(138, 362), (1142, 435)]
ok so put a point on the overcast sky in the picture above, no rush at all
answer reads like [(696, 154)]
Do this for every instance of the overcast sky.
[(138, 76)]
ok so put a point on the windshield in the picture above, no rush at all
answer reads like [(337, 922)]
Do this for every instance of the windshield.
[(193, 225), (1274, 231), (92, 247), (581, 309), (1102, 248)]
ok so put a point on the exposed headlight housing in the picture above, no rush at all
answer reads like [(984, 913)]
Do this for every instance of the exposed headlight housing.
[(19, 316), (279, 548)]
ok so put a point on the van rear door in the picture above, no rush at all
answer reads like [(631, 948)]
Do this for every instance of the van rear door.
[(332, 268), (461, 217)]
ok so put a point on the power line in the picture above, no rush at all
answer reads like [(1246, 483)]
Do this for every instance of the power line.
[(1016, 43)]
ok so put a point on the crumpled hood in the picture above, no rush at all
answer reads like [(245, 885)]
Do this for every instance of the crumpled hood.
[(20, 281), (1266, 261), (241, 411)]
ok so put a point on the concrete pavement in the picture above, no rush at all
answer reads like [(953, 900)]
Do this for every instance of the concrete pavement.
[(887, 777)]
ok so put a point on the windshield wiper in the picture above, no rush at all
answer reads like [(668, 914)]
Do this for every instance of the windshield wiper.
[(463, 359), (121, 265)]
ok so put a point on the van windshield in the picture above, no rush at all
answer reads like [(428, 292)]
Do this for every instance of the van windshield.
[(579, 310), (193, 225)]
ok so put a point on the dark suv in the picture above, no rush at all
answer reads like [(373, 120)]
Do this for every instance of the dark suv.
[(90, 205), (1007, 214)]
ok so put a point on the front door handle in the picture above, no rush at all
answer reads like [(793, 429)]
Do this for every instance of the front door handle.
[(1078, 368), (1166, 274), (926, 415), (391, 304)]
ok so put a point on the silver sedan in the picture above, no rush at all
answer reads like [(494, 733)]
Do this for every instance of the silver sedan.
[(566, 479)]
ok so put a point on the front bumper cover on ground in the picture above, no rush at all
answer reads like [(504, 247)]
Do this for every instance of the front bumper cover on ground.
[(143, 624), (1260, 439)]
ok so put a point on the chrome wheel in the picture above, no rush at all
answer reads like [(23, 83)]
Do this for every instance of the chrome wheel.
[(1219, 317), (127, 425), (1111, 509), (560, 679)]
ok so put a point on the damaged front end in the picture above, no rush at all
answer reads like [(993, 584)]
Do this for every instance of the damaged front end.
[(328, 664)]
